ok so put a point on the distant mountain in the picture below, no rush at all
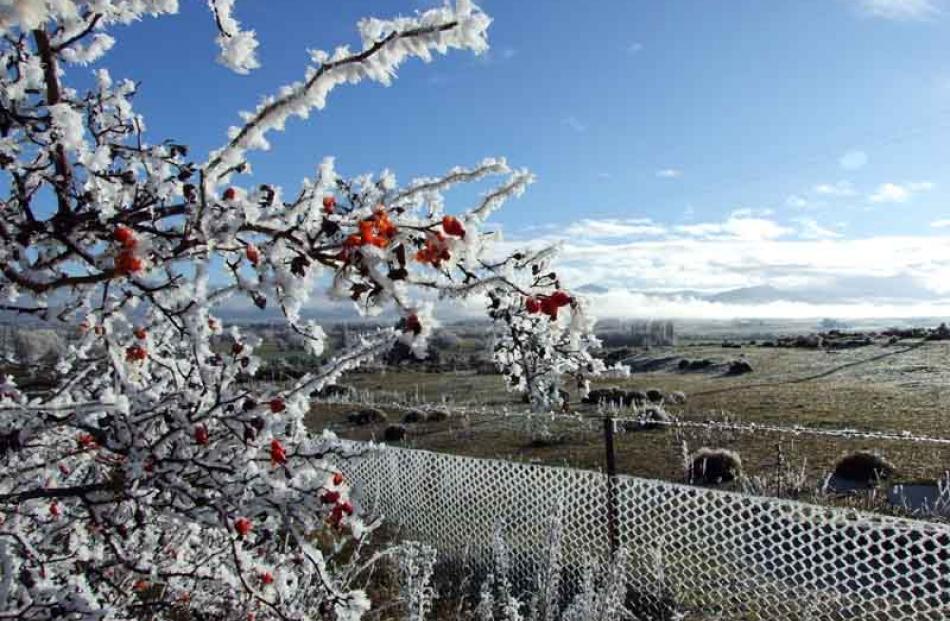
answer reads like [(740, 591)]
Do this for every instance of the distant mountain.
[(592, 289), (761, 294)]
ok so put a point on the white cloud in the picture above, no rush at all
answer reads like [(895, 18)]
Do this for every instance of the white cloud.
[(899, 9), (574, 124), (669, 173), (940, 224), (853, 160), (665, 264), (839, 188), (899, 193), (598, 229), (811, 229), (736, 227)]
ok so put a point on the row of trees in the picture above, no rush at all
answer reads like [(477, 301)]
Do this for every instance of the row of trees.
[(149, 480)]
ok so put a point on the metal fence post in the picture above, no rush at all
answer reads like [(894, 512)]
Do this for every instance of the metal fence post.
[(609, 426)]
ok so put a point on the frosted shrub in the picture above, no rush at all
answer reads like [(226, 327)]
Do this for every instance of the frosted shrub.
[(154, 478)]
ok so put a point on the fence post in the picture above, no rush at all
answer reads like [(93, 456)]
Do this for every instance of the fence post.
[(609, 425)]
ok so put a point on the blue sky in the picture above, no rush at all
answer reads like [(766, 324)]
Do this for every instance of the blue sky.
[(771, 143)]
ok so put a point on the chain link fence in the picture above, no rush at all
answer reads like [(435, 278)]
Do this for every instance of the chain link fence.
[(713, 554)]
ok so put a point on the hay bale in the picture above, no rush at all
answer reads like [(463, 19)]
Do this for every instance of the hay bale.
[(699, 365), (739, 367), (394, 433), (611, 395), (677, 397), (865, 467), (714, 466), (415, 416), (367, 416), (653, 417), (635, 397), (437, 416), (334, 391), (654, 395), (683, 365)]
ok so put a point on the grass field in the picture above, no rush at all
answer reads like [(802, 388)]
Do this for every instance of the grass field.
[(903, 387)]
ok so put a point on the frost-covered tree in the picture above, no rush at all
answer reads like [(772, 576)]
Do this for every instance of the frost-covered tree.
[(151, 481)]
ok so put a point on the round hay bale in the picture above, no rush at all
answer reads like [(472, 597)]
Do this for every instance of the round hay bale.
[(603, 395), (739, 367), (653, 417), (655, 395), (635, 397), (699, 365), (367, 416), (677, 397), (865, 467), (334, 391), (415, 416), (394, 433), (437, 416), (683, 364), (710, 466)]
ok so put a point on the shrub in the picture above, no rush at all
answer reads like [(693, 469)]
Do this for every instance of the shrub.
[(154, 477)]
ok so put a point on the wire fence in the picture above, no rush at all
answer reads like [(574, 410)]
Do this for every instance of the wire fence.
[(714, 554)]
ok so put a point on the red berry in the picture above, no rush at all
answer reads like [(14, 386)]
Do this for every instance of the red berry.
[(559, 298), (237, 348), (136, 353), (330, 497), (125, 236), (140, 585), (412, 324), (267, 577), (201, 435), (140, 333), (452, 226), (329, 203), (230, 194), (549, 307), (346, 507), (86, 440), (54, 509), (128, 263), (277, 405), (277, 453), (243, 526), (253, 254), (337, 478), (532, 305)]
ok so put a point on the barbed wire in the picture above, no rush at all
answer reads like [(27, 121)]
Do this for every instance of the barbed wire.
[(798, 430)]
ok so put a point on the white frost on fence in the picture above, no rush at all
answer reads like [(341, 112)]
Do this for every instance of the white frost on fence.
[(725, 554)]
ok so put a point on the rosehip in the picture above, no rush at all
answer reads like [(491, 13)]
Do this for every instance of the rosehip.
[(532, 305), (54, 509), (277, 453), (329, 203), (128, 263), (125, 236), (253, 254), (559, 298), (201, 435), (337, 478), (243, 526), (452, 226), (140, 585), (229, 194), (237, 348), (140, 333), (413, 324), (346, 507), (136, 353), (267, 577), (277, 405), (330, 497)]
